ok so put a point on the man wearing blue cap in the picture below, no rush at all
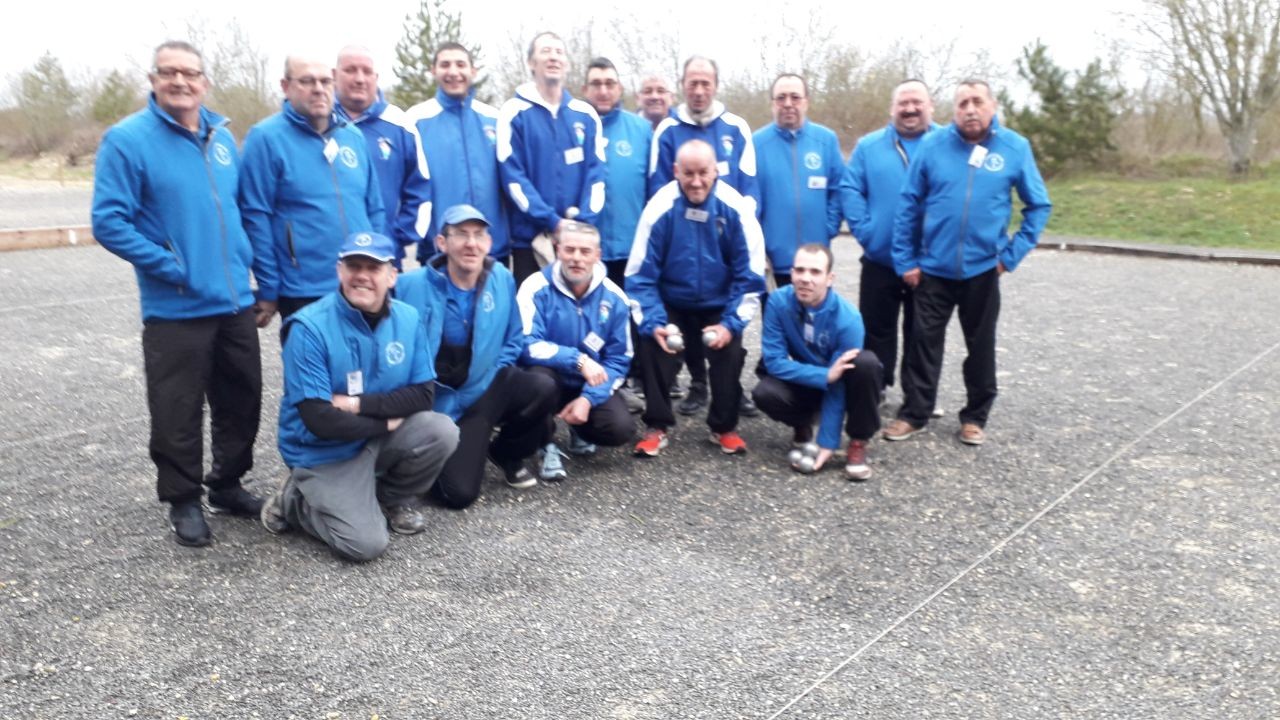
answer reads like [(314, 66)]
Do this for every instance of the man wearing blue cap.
[(356, 423), (468, 307)]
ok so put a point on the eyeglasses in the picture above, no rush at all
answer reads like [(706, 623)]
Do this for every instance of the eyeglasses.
[(606, 84), (782, 98), (310, 82), (169, 73), (477, 236)]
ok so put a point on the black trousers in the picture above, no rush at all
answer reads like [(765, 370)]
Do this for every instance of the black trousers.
[(880, 295), (978, 302), (519, 401), (523, 264), (797, 405), (189, 361), (658, 370), (609, 424), (616, 270)]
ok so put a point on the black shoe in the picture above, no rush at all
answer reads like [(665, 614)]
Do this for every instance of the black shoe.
[(695, 401), (747, 408), (677, 391), (188, 525), (405, 519), (235, 501)]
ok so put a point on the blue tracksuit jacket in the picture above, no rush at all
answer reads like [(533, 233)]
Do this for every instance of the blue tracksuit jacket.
[(559, 327), (550, 159), (328, 342), (301, 193), (799, 174), (164, 200), (627, 139), (496, 337), (696, 257), (788, 356), (727, 133), (871, 187), (460, 145), (953, 218), (393, 151)]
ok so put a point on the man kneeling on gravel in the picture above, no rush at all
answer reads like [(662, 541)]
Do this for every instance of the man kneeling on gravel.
[(356, 426)]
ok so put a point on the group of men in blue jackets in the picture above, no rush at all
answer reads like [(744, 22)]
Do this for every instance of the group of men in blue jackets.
[(565, 246)]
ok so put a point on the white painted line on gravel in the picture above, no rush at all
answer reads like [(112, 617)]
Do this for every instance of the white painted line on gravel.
[(65, 303), (1016, 533)]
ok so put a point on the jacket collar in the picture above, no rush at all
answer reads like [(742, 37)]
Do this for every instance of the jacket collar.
[(375, 110), (557, 279), (335, 120), (209, 120), (713, 112), (452, 103), (529, 93)]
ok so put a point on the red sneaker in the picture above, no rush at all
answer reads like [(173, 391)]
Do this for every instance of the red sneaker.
[(731, 443), (652, 443), (855, 467)]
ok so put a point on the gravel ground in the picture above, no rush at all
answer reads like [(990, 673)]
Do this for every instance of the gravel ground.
[(1109, 553)]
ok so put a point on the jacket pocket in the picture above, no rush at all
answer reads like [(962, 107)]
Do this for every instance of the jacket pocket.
[(182, 266), (288, 241)]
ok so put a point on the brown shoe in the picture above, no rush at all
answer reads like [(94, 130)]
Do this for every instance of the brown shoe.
[(899, 430), (971, 434)]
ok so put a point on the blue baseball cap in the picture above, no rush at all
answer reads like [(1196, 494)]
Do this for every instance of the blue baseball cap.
[(459, 214), (375, 246)]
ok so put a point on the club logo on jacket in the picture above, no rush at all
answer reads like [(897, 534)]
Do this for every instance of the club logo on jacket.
[(492, 134), (221, 154), (384, 147), (349, 157), (726, 142), (486, 302), (994, 163), (824, 343), (580, 132), (604, 311), (812, 160), (395, 352), (623, 148)]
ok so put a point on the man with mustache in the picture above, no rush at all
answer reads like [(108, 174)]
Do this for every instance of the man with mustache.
[(357, 428), (577, 332), (951, 244), (307, 184), (164, 189), (869, 193), (393, 149), (550, 154), (812, 349)]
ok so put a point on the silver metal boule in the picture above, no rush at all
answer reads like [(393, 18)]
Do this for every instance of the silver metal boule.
[(806, 464), (794, 456), (709, 337), (810, 449)]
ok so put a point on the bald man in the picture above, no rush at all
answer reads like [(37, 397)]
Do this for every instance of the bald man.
[(697, 263), (390, 140)]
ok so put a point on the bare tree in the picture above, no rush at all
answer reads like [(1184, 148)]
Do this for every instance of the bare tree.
[(1230, 51)]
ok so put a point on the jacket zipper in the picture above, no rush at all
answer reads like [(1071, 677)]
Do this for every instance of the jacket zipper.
[(173, 248), (288, 239), (964, 223), (222, 225), (795, 173)]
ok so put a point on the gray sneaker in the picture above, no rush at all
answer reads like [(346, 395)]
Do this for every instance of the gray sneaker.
[(552, 466), (579, 447)]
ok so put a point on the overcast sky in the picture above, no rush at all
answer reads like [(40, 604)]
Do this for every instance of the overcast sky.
[(95, 36)]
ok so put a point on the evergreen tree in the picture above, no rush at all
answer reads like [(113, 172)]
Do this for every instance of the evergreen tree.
[(116, 97), (425, 31), (46, 103), (1069, 123)]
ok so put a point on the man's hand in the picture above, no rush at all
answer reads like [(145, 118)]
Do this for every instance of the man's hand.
[(394, 423), (912, 278), (592, 372), (842, 363), (576, 412), (1000, 268), (263, 311), (660, 334), (347, 403), (723, 336)]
